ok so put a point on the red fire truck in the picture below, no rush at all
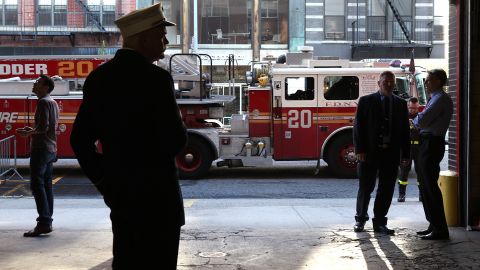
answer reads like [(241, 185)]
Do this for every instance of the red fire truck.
[(305, 112)]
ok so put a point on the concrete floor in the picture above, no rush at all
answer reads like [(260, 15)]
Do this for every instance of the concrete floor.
[(232, 234)]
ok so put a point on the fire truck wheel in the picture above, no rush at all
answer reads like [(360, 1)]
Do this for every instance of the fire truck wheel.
[(195, 160), (342, 161)]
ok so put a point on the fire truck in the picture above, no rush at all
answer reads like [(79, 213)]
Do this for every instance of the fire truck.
[(305, 111)]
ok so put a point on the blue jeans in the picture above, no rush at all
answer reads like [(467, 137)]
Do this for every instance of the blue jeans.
[(41, 167)]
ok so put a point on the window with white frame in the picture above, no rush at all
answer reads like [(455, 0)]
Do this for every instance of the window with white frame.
[(334, 20), (108, 12), (376, 7), (270, 24), (214, 24), (102, 11), (9, 12), (52, 12), (215, 8), (269, 8), (376, 20), (440, 19)]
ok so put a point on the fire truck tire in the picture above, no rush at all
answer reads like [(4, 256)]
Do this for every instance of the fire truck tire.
[(342, 161), (195, 160)]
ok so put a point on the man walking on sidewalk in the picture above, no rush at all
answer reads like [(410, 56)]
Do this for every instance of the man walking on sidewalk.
[(43, 153)]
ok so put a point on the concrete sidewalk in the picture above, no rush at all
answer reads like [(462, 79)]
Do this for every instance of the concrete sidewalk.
[(232, 234)]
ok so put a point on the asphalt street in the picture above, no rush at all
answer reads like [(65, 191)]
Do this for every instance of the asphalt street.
[(284, 180)]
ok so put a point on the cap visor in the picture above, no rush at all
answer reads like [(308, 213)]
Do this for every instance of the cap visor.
[(167, 23)]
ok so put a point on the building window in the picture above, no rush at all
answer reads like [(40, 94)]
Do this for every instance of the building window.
[(52, 12), (224, 22), (60, 12), (269, 20), (101, 12), (376, 20), (334, 22), (93, 16), (398, 33), (108, 12), (376, 7), (440, 19), (274, 22), (214, 23), (44, 12), (376, 27), (438, 27), (9, 12), (405, 10)]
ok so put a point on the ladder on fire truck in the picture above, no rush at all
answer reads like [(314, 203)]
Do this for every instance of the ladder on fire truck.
[(193, 81)]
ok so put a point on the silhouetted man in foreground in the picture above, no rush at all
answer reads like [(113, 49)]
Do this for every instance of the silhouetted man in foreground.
[(129, 107)]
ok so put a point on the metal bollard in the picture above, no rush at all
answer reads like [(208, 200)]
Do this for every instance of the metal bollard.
[(448, 183)]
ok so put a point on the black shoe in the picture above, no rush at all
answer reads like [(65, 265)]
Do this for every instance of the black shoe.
[(38, 230), (383, 229), (436, 236), (401, 198), (359, 226), (425, 232)]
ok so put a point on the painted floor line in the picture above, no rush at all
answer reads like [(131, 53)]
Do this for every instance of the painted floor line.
[(188, 203), (17, 187), (57, 179)]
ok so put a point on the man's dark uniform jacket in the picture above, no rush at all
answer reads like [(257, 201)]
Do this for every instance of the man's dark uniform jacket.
[(129, 106), (367, 128)]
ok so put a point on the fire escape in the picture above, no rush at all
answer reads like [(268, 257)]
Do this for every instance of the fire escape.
[(403, 46), (400, 21), (91, 17), (31, 30)]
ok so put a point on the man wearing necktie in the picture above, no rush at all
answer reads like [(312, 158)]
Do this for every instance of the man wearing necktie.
[(433, 123), (381, 135)]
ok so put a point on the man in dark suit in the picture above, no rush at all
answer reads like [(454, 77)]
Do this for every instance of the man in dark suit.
[(381, 136), (129, 107)]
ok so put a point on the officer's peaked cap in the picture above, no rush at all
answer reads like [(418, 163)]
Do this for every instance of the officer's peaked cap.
[(141, 20)]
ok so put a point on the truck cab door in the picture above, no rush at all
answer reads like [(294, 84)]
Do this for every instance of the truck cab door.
[(294, 110)]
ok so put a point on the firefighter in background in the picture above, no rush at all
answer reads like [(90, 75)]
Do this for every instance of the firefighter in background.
[(413, 106)]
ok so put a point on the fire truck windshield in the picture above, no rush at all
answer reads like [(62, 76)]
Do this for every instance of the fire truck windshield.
[(419, 81), (404, 87)]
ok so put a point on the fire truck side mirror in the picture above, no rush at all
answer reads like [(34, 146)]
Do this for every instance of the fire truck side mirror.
[(248, 78)]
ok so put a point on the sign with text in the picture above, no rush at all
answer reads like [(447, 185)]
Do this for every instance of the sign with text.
[(31, 69)]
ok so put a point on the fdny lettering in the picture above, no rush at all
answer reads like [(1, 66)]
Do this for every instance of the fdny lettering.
[(23, 69), (7, 117), (341, 104)]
